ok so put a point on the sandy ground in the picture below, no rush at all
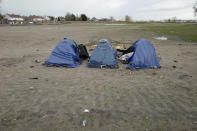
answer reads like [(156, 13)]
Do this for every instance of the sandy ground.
[(38, 98)]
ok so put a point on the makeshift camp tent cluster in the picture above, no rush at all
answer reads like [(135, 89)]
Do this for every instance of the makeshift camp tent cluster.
[(65, 54), (104, 55), (69, 54), (144, 55)]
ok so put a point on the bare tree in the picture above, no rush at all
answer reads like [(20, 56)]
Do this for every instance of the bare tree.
[(195, 8)]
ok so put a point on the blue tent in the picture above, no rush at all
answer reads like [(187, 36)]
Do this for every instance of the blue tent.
[(144, 55), (103, 55), (65, 54)]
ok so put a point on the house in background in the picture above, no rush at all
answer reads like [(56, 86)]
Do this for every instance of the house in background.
[(13, 19), (39, 19)]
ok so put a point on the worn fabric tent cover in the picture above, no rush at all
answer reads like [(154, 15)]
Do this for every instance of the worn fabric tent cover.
[(144, 55), (65, 54), (103, 55)]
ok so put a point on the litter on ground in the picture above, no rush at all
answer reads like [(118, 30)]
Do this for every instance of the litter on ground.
[(161, 38), (86, 111)]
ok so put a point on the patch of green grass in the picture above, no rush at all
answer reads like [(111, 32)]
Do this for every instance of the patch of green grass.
[(131, 22), (186, 32)]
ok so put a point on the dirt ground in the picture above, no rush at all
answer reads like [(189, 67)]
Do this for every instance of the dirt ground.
[(38, 98)]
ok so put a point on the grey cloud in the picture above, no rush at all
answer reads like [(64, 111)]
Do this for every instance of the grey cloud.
[(138, 9)]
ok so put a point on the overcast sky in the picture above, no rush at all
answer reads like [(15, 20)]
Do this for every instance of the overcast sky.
[(137, 9)]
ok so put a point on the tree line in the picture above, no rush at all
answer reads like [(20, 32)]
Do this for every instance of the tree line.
[(71, 17), (83, 17)]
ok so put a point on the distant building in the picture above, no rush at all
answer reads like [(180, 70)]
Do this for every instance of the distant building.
[(13, 19), (38, 19), (46, 18), (104, 20), (94, 19)]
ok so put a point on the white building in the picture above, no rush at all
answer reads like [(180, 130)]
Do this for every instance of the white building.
[(14, 19), (39, 19)]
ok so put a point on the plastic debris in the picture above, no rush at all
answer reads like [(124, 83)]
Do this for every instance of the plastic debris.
[(103, 66), (161, 38), (84, 123), (37, 61), (86, 111), (173, 66), (34, 78), (126, 56)]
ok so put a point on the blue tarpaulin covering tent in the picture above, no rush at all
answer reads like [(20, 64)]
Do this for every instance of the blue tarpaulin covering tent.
[(103, 55), (65, 54), (144, 55)]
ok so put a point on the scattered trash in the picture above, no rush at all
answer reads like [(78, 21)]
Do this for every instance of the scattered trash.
[(103, 66), (84, 123), (173, 66), (37, 61), (161, 38), (34, 78), (120, 47), (124, 58), (86, 111), (31, 66), (83, 53)]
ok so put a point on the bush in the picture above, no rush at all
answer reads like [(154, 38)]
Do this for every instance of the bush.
[(84, 17)]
